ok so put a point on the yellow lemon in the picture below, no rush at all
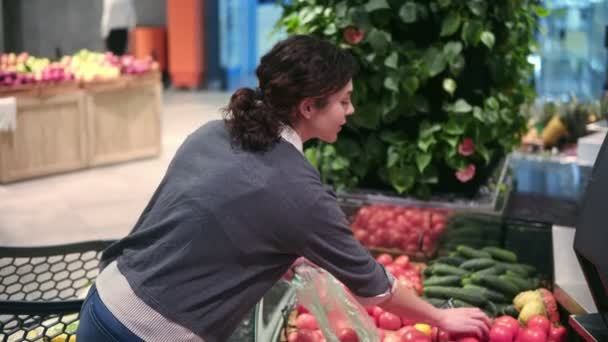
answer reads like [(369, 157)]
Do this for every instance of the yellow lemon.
[(424, 328)]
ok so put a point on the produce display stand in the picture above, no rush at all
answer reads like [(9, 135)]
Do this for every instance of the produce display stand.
[(50, 136), (70, 126), (42, 289)]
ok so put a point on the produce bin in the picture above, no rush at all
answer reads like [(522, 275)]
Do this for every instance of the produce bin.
[(384, 222), (50, 136), (42, 289)]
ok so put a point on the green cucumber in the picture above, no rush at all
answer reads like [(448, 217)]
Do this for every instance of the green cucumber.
[(492, 295), (450, 260), (494, 270), (507, 309), (494, 282), (457, 303), (472, 253), (477, 264), (521, 283), (436, 302), (522, 269), (447, 280), (443, 269), (491, 308), (501, 254), (469, 296)]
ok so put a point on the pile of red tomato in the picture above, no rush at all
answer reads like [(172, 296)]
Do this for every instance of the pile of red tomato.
[(410, 229)]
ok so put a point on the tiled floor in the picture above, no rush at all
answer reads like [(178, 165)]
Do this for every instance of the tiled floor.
[(100, 203)]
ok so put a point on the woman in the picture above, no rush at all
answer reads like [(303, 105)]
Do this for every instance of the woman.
[(238, 204)]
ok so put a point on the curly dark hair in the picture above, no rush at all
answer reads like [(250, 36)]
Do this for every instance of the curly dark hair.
[(296, 68)]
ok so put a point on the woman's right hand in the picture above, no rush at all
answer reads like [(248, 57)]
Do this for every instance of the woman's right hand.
[(464, 321)]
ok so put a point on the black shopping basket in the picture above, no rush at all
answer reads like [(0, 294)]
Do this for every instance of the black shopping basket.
[(43, 288)]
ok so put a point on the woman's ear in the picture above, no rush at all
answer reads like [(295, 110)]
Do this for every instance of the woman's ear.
[(306, 108)]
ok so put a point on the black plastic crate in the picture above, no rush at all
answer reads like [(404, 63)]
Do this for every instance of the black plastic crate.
[(43, 288), (533, 244)]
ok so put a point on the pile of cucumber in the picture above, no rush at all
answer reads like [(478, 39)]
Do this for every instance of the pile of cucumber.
[(488, 278)]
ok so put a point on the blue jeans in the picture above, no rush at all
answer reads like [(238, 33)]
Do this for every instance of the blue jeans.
[(98, 324)]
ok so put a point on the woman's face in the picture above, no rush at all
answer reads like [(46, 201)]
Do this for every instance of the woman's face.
[(325, 122)]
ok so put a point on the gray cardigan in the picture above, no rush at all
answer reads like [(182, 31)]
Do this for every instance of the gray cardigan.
[(224, 225)]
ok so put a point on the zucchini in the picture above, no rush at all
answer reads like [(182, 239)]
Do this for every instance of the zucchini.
[(472, 253), (494, 282), (447, 280), (501, 254), (492, 295), (443, 269), (494, 270), (477, 264), (467, 295)]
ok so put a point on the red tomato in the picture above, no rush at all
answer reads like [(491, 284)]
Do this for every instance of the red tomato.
[(402, 261), (348, 335), (319, 337), (377, 311), (373, 240), (557, 334), (394, 270), (389, 321), (395, 238), (292, 336), (468, 339), (385, 259), (307, 321), (302, 309), (391, 338), (509, 322), (361, 235), (305, 336), (443, 336), (541, 322), (501, 333), (531, 335), (413, 335)]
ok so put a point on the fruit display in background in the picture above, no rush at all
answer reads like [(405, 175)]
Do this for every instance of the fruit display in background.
[(411, 230), (84, 66)]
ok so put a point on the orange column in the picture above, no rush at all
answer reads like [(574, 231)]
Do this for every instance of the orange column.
[(151, 41), (186, 41)]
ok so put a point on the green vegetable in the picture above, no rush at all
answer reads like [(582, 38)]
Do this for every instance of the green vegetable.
[(450, 260), (444, 269), (496, 283), (521, 283), (477, 264), (472, 253), (467, 295), (447, 280), (494, 270), (501, 254), (521, 269), (492, 295)]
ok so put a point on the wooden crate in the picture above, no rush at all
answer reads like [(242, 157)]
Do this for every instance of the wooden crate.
[(123, 120), (50, 137)]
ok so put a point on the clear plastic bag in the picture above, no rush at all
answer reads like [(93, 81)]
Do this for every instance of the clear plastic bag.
[(332, 305)]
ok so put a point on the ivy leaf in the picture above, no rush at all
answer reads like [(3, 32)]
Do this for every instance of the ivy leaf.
[(392, 60), (393, 137), (540, 11), (374, 5), (457, 65), (359, 17), (341, 8), (402, 178), (483, 152), (487, 38), (391, 84), (471, 32), (450, 24), (330, 29), (379, 40), (422, 161), (478, 114), (425, 142), (407, 12), (477, 7), (462, 106), (452, 141), (348, 147), (339, 163), (491, 103), (368, 116), (435, 60), (411, 84), (427, 129), (393, 156), (311, 154), (453, 128), (452, 49), (444, 3), (449, 85)]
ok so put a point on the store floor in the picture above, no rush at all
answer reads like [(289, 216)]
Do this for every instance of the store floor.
[(105, 202)]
